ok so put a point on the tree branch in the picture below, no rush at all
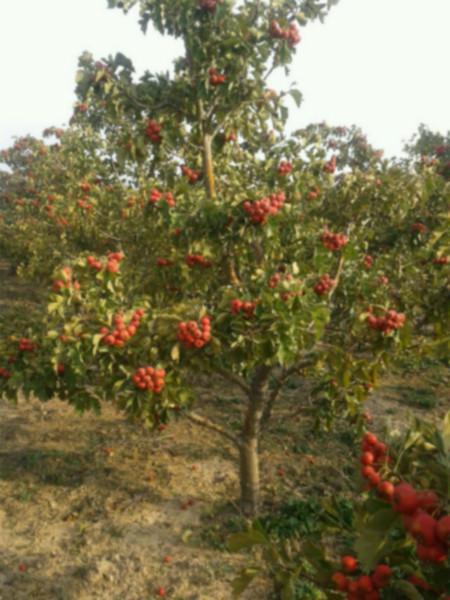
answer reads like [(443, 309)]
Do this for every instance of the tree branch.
[(208, 424), (239, 381)]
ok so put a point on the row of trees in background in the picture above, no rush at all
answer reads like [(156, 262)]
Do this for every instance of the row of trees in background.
[(177, 232)]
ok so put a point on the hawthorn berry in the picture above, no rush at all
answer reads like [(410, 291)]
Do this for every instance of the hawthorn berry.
[(404, 498), (349, 563)]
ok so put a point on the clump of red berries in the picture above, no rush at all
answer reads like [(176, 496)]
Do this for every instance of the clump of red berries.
[(246, 307), (330, 166), (333, 241), (284, 168), (191, 175), (122, 332), (191, 335), (373, 456), (215, 78), (260, 210), (84, 204), (153, 131), (149, 378), (362, 587), (112, 264), (313, 193), (164, 262), (441, 260), (156, 196), (26, 345), (291, 34), (387, 323), (419, 228), (198, 260), (324, 285), (4, 373), (67, 282), (368, 261), (209, 5)]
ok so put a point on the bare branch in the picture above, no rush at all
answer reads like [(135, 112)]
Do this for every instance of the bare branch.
[(239, 381), (208, 424)]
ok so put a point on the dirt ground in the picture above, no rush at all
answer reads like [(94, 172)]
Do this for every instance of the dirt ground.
[(97, 508)]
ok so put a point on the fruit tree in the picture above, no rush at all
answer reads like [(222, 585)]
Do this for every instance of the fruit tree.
[(180, 233)]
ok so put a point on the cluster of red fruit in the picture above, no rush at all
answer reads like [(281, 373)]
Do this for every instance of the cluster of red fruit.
[(215, 78), (363, 587), (149, 378), (330, 166), (389, 322), (193, 336), (277, 277), (164, 262), (156, 195), (26, 345), (419, 228), (84, 187), (260, 210), (67, 282), (432, 535), (153, 131), (314, 193), (333, 241), (324, 285), (84, 205), (209, 5), (191, 175), (284, 168), (112, 262), (122, 332), (4, 373), (368, 261), (291, 34), (248, 308), (441, 260), (193, 260), (373, 456), (416, 507)]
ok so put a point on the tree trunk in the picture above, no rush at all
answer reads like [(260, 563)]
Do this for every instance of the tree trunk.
[(248, 447), (208, 167), (249, 476)]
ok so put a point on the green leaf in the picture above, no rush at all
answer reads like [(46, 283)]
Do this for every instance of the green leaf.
[(241, 583), (297, 96), (373, 537), (408, 590), (246, 539)]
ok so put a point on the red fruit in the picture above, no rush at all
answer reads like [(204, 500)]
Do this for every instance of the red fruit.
[(365, 584), (370, 438), (381, 576), (367, 458), (386, 489), (405, 498), (23, 567), (428, 501), (349, 564), (443, 529), (423, 528), (435, 554), (368, 472), (167, 559), (161, 592), (419, 582), (340, 581)]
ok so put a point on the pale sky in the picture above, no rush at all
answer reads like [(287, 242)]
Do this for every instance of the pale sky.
[(380, 64)]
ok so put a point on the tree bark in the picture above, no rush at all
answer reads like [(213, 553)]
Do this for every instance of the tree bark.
[(248, 448), (208, 167), (249, 475)]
